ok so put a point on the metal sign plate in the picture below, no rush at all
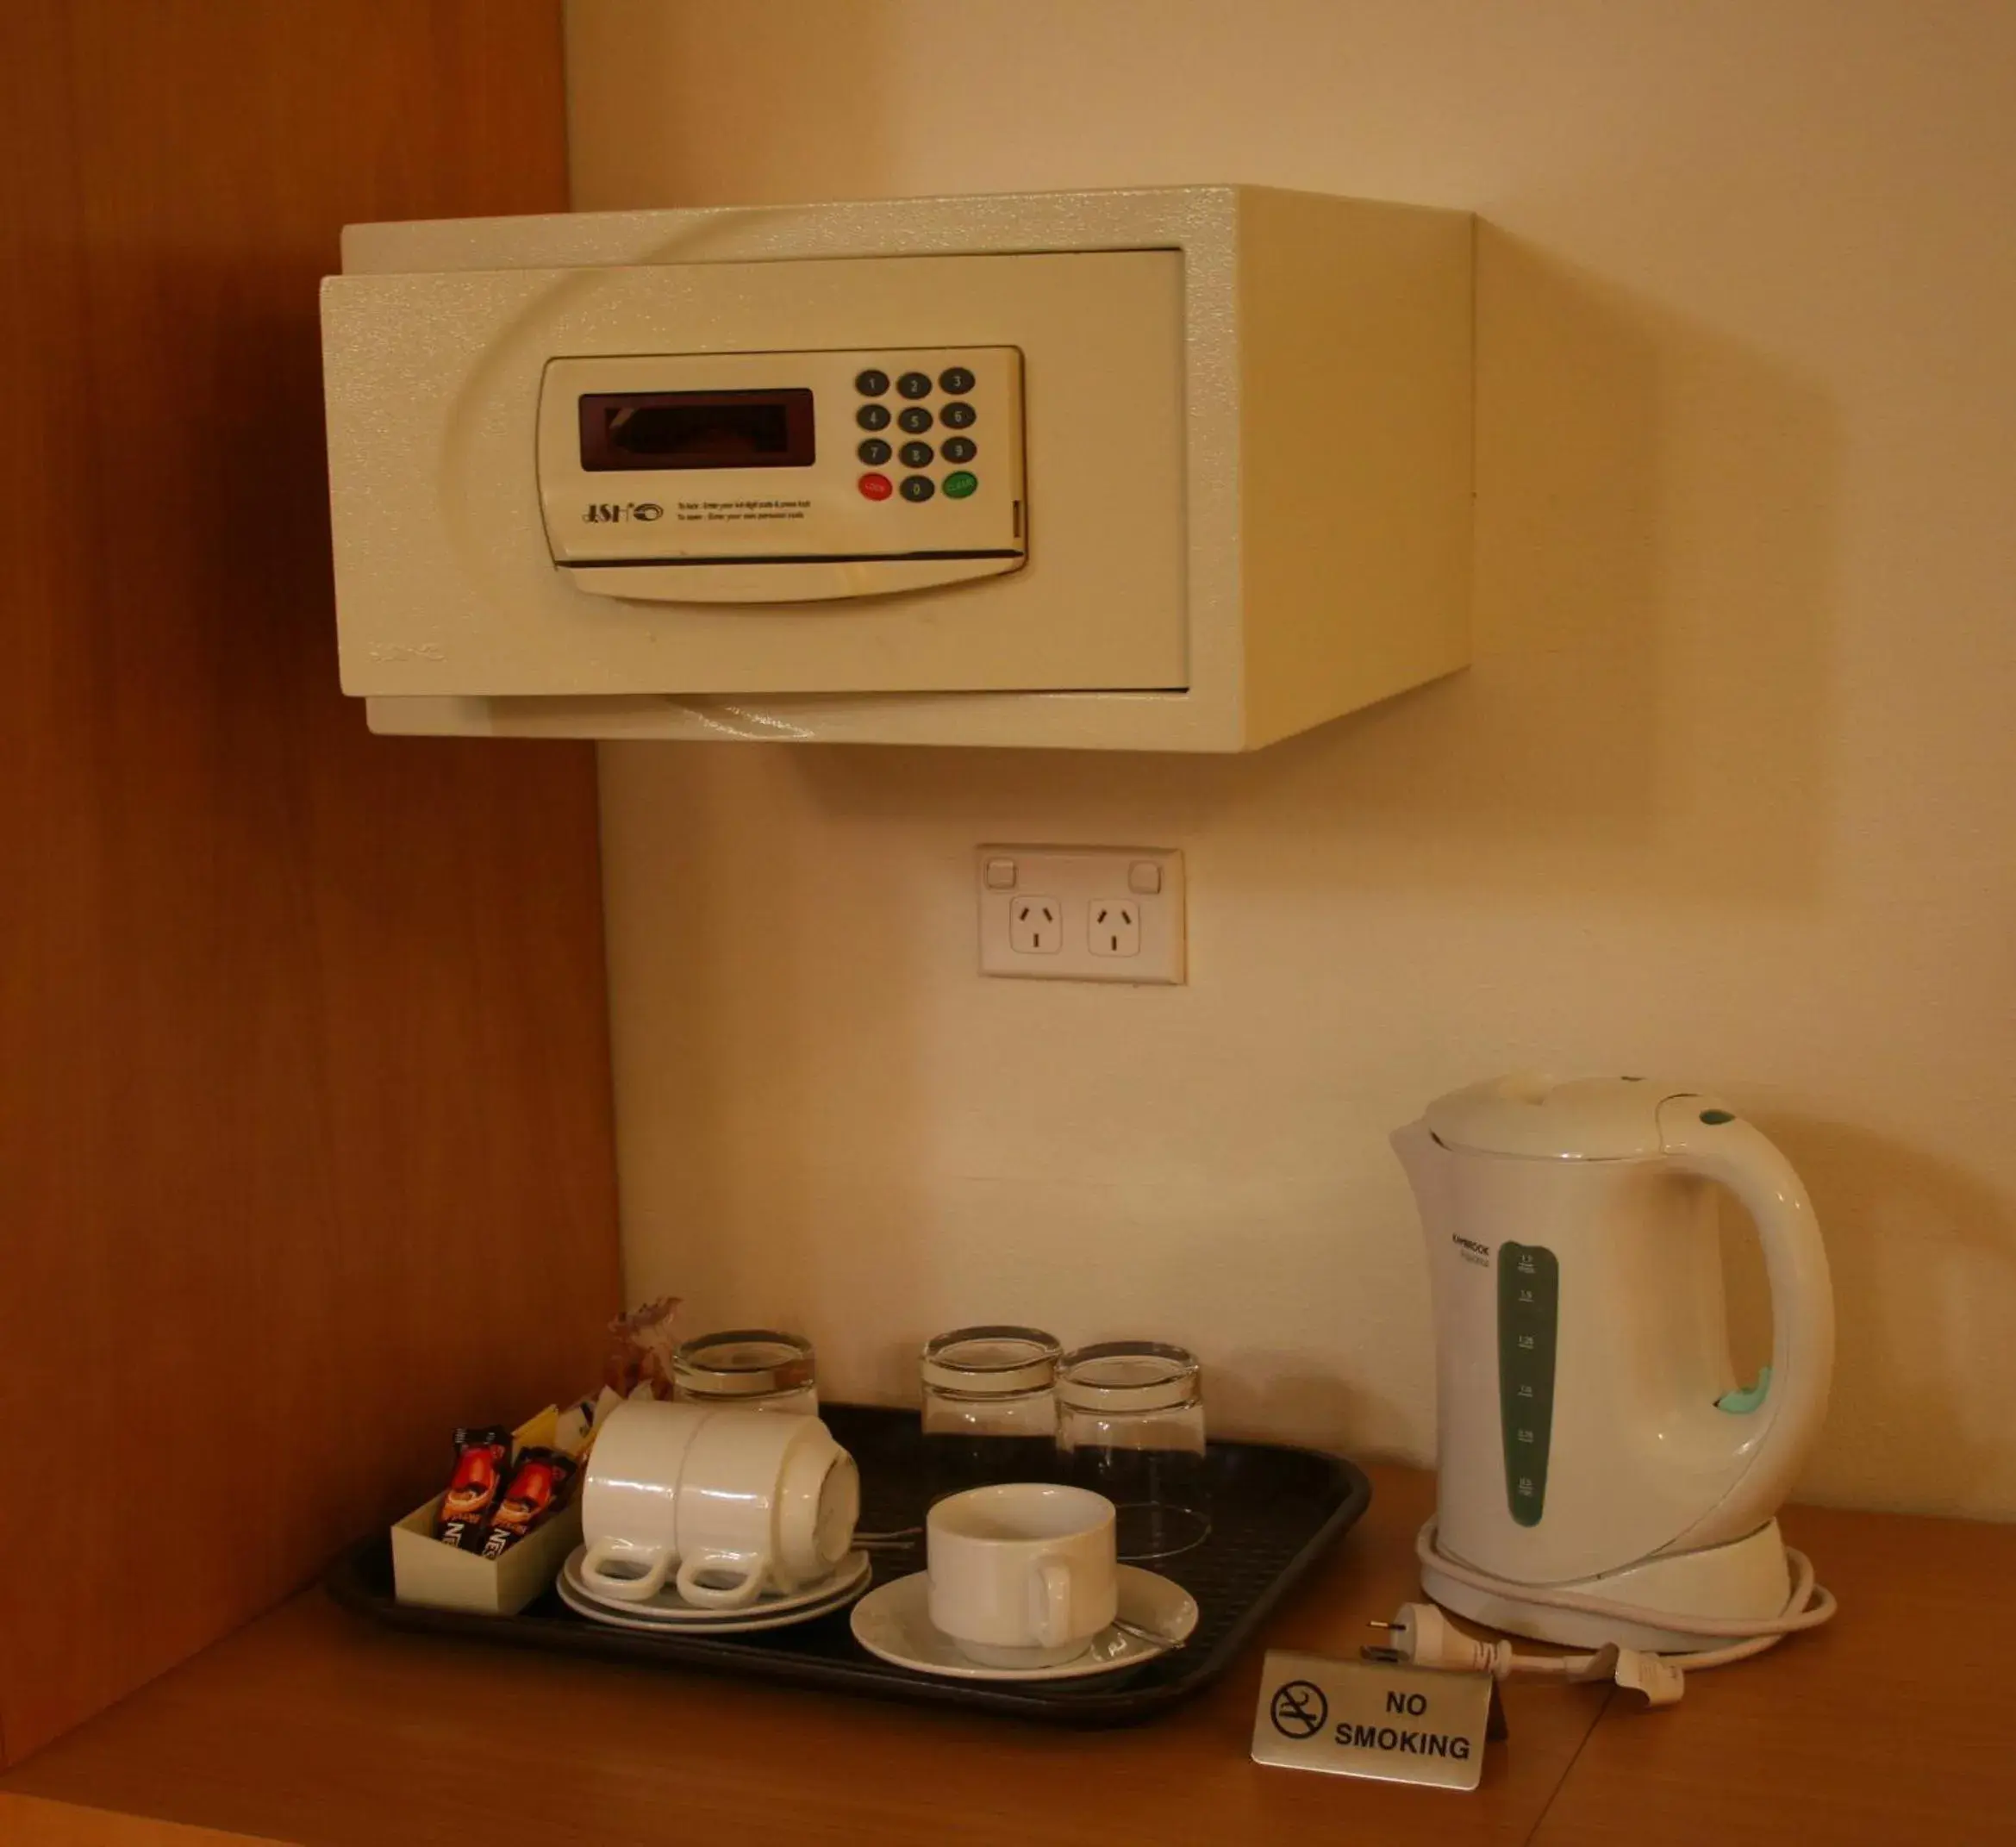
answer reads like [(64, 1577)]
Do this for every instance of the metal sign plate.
[(1397, 1725)]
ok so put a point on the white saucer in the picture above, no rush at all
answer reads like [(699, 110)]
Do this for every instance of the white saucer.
[(601, 1613), (669, 1609), (734, 1622), (894, 1623)]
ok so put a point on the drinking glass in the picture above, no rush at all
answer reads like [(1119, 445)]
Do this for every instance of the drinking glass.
[(1130, 1423), (754, 1368), (990, 1409)]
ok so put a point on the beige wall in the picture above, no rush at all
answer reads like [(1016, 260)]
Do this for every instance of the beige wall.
[(1727, 793)]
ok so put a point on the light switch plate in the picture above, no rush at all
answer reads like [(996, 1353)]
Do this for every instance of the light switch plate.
[(1081, 883)]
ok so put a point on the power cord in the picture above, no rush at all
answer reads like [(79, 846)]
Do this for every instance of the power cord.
[(1422, 1635)]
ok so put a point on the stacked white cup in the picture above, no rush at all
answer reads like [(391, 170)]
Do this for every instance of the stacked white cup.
[(726, 1504)]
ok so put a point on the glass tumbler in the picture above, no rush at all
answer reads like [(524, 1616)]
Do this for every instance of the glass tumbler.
[(1130, 1423), (990, 1407), (754, 1368)]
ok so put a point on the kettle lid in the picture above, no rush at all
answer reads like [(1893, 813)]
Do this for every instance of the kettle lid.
[(1585, 1119)]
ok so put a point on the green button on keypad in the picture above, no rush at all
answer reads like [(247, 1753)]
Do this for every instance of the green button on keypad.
[(958, 486)]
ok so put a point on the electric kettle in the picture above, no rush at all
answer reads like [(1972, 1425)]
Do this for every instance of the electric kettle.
[(1602, 1477)]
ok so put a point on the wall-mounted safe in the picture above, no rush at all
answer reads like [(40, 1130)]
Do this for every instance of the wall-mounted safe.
[(1169, 469)]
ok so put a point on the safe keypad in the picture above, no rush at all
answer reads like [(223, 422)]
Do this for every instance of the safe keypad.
[(955, 413)]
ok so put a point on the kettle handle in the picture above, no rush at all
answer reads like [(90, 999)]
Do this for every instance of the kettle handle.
[(1700, 1137)]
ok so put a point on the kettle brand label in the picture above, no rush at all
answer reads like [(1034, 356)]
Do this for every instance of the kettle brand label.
[(1390, 1722)]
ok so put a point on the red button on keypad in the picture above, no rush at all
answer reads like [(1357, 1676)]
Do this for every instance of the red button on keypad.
[(876, 487)]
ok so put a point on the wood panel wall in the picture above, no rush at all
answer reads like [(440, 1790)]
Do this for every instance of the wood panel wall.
[(304, 1118)]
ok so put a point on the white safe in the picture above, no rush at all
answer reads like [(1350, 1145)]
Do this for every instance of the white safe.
[(1183, 469)]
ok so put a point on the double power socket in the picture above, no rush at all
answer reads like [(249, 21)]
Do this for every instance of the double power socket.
[(1109, 913)]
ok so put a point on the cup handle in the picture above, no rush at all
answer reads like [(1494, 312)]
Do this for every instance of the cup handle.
[(603, 1552), (753, 1566), (1053, 1601)]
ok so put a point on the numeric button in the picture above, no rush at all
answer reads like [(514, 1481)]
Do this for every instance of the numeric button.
[(872, 416), (875, 452), (918, 487), (914, 418), (958, 416), (872, 384), (959, 449), (956, 380), (913, 384), (916, 455)]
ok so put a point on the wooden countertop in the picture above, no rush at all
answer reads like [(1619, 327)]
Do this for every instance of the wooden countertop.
[(312, 1726)]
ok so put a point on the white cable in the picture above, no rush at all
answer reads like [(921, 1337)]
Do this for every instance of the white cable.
[(1809, 1605), (1423, 1636)]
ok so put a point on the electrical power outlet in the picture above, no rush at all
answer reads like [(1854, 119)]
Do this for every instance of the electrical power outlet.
[(1108, 913), (1113, 927), (1035, 926)]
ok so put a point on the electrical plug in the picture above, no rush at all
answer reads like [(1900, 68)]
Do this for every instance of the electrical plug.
[(1422, 1636)]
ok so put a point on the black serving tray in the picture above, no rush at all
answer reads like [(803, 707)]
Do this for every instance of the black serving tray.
[(1275, 1510)]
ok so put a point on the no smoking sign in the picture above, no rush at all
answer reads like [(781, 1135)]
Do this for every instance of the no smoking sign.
[(1371, 1719)]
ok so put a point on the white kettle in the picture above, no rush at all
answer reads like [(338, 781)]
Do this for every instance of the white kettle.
[(1596, 1450)]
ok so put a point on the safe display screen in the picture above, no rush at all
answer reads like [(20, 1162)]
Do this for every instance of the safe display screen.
[(695, 429)]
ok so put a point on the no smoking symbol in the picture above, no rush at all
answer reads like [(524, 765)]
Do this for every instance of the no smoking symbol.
[(1300, 1709)]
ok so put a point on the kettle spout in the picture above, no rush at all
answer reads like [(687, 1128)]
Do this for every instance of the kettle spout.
[(1427, 1165)]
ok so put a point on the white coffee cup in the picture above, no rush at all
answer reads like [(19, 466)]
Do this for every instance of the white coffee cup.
[(725, 1503), (766, 1502), (630, 1497), (1022, 1575)]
